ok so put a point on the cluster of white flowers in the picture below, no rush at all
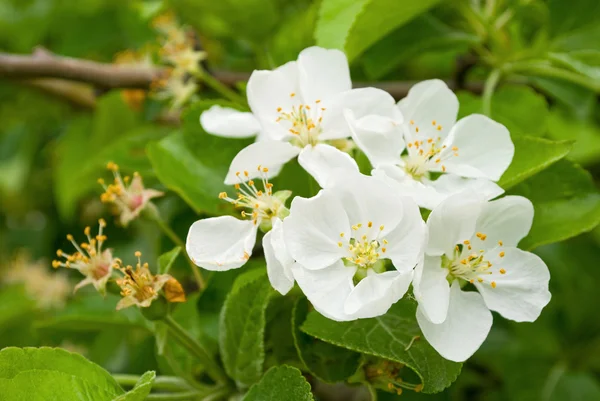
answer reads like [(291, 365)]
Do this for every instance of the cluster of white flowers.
[(355, 248)]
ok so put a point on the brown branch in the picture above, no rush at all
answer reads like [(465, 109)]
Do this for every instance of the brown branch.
[(43, 64)]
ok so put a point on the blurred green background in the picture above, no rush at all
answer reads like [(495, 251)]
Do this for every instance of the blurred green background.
[(52, 150)]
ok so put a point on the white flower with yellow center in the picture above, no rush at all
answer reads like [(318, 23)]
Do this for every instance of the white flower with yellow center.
[(89, 259), (343, 240), (225, 242), (469, 154), (473, 242), (297, 111)]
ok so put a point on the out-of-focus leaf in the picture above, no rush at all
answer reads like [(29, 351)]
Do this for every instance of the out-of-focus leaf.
[(586, 134), (166, 260), (54, 374), (325, 361), (14, 302), (252, 20), (242, 327), (566, 203), (294, 35), (423, 34), (353, 26), (194, 163), (531, 156), (579, 100), (388, 337), (141, 390), (566, 17), (519, 108), (91, 311), (280, 383)]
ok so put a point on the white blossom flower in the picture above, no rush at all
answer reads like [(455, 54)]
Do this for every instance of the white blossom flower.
[(474, 241), (297, 110), (225, 242), (89, 259), (469, 154), (342, 239)]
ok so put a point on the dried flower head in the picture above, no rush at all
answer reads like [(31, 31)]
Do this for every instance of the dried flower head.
[(140, 287), (89, 259), (128, 196)]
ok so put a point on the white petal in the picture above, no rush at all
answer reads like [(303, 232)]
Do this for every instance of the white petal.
[(221, 243), (227, 122), (270, 154), (360, 102), (268, 91), (327, 289), (312, 230), (407, 241), (465, 328), (423, 193), (431, 289), (484, 148), (378, 137), (321, 160), (323, 73), (279, 269), (450, 184), (376, 293), (426, 102), (452, 222), (507, 219), (366, 199), (522, 291)]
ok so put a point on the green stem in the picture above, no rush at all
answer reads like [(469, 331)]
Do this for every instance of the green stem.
[(190, 395), (213, 369), (220, 88), (545, 70), (488, 90), (161, 382), (179, 242)]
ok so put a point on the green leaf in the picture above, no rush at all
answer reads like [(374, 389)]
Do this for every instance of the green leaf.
[(281, 383), (141, 390), (522, 110), (325, 361), (242, 327), (353, 26), (166, 260), (295, 34), (566, 203), (194, 164), (586, 134), (571, 61), (54, 374), (389, 337), (91, 311), (421, 35), (531, 156)]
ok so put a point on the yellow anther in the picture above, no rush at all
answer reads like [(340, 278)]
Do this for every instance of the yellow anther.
[(433, 122), (370, 224), (502, 271), (342, 235), (251, 182), (246, 173), (480, 280), (55, 264), (292, 94), (493, 284), (69, 237), (87, 230), (500, 243), (412, 122), (385, 241), (138, 254), (383, 250), (222, 195), (439, 127), (265, 170), (501, 254), (443, 168), (318, 101), (417, 129), (455, 148), (381, 227), (100, 181), (340, 244), (466, 242), (279, 109), (102, 223)]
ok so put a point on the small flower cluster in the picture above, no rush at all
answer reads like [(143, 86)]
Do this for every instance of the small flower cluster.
[(177, 51), (357, 246)]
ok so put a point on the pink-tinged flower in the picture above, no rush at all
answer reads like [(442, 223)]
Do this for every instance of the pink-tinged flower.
[(89, 259), (128, 196)]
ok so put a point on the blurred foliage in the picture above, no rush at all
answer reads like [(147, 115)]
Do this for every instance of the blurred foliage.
[(547, 54)]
